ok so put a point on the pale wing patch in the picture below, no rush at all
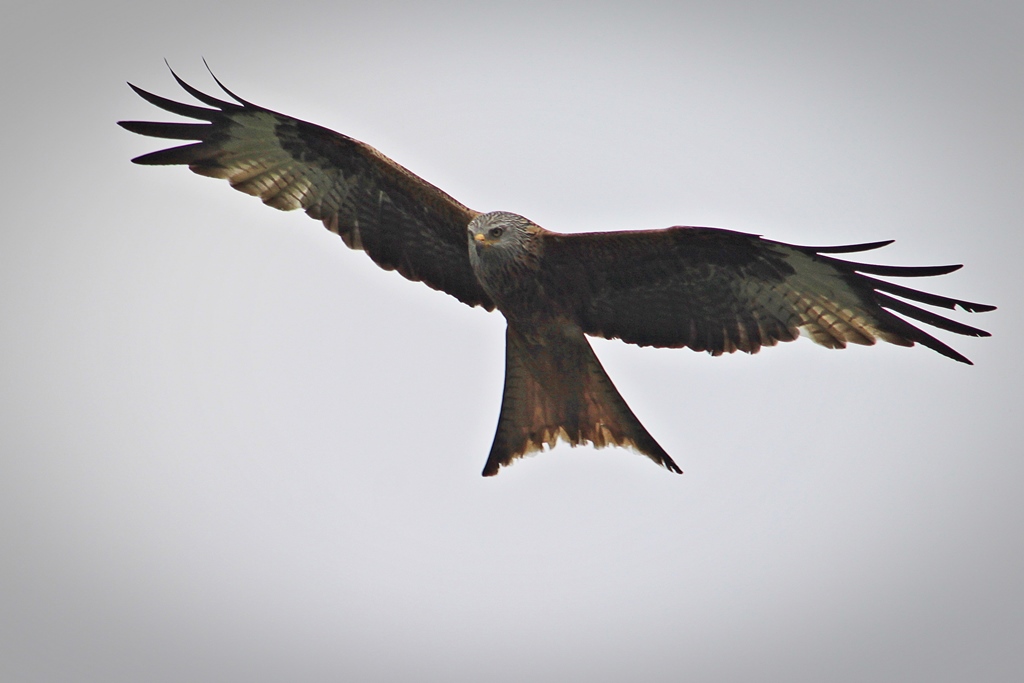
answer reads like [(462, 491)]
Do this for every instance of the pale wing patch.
[(826, 309), (254, 162)]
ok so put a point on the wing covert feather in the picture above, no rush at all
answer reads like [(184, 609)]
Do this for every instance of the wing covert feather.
[(402, 222), (722, 291)]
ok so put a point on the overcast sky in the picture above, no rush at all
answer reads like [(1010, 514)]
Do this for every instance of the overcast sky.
[(231, 449)]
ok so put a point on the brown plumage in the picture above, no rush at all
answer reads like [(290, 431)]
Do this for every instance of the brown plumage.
[(704, 288)]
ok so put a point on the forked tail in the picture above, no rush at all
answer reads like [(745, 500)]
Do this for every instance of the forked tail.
[(556, 388)]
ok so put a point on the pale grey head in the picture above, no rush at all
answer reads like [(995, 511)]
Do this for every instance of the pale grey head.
[(504, 248)]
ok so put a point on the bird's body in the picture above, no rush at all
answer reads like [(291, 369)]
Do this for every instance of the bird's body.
[(555, 387), (704, 288)]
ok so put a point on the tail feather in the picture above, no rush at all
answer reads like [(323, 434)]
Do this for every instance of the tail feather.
[(555, 388)]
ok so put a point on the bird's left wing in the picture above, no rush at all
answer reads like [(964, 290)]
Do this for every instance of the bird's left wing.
[(721, 291), (402, 222)]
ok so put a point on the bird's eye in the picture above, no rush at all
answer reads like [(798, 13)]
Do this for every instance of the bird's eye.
[(495, 233)]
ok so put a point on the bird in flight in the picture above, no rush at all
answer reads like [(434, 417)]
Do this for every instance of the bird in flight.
[(708, 289)]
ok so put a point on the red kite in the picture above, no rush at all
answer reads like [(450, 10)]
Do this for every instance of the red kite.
[(704, 288)]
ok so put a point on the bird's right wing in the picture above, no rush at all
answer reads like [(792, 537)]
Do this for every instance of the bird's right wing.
[(402, 222)]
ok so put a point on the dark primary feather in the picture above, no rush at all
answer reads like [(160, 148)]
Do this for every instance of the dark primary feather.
[(849, 248), (402, 222), (722, 291)]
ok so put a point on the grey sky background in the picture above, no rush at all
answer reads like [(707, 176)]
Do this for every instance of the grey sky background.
[(234, 450)]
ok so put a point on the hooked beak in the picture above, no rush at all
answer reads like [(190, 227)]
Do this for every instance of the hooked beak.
[(480, 237)]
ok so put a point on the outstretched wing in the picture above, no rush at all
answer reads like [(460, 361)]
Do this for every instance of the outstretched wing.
[(721, 291), (403, 222)]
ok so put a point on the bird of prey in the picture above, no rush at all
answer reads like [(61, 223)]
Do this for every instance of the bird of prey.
[(707, 289)]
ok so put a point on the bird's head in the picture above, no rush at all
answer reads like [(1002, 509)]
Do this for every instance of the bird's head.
[(499, 229), (501, 235), (503, 243)]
